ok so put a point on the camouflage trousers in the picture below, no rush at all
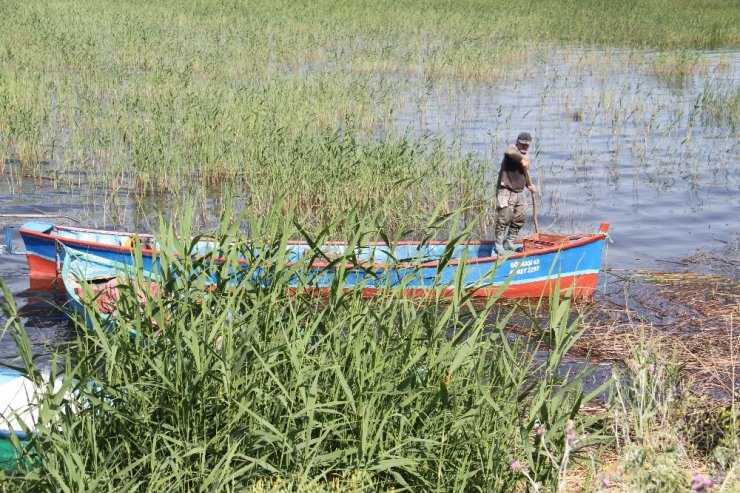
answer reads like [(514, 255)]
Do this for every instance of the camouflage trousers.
[(510, 212)]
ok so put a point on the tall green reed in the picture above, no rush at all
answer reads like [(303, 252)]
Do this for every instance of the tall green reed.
[(232, 379)]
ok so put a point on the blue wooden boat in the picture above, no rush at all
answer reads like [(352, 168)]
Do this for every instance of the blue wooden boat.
[(546, 264), (45, 244)]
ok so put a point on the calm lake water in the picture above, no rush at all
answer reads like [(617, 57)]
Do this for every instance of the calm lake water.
[(614, 141)]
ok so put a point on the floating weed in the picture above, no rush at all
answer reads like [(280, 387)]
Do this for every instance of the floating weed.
[(678, 67)]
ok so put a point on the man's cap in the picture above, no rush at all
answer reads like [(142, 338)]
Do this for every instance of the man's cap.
[(524, 138)]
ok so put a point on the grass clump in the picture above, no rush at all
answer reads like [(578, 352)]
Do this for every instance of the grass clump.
[(246, 384), (678, 67), (667, 438), (720, 106)]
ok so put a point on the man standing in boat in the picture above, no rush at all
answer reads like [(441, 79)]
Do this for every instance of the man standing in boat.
[(511, 203)]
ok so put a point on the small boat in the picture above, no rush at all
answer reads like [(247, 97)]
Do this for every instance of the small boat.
[(20, 399), (545, 263), (18, 396), (96, 281), (45, 244)]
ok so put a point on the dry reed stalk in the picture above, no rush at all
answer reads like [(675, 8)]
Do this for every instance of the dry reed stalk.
[(692, 318)]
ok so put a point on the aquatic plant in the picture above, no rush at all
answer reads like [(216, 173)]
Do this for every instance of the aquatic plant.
[(189, 97), (720, 106)]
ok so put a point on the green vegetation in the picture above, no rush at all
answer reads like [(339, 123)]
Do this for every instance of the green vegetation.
[(663, 431), (721, 106), (267, 97), (231, 384), (247, 388)]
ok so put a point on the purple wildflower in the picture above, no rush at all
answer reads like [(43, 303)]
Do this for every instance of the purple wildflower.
[(604, 479), (516, 465), (701, 483), (635, 365), (651, 368)]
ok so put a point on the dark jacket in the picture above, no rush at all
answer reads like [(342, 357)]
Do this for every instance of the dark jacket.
[(512, 174)]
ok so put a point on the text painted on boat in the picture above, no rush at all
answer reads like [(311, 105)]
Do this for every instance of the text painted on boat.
[(528, 266)]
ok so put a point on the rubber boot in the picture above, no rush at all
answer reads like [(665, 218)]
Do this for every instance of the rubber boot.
[(499, 247), (509, 245), (511, 236)]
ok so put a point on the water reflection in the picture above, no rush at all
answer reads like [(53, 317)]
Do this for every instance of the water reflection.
[(46, 325)]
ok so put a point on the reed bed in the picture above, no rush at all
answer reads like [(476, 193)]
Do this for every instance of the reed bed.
[(242, 383), (251, 388), (188, 96), (247, 385)]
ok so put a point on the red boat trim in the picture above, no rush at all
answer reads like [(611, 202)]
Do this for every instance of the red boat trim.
[(85, 230), (85, 243), (581, 287)]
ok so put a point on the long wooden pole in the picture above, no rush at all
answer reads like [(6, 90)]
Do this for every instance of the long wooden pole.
[(534, 204)]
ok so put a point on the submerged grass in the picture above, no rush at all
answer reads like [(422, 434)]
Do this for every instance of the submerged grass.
[(720, 106), (229, 386)]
